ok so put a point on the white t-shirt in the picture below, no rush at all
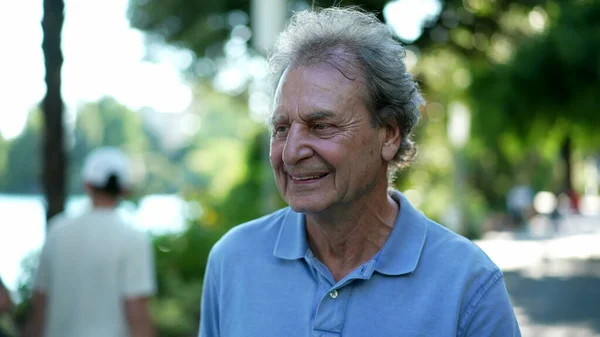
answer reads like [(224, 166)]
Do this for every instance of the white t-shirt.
[(89, 265)]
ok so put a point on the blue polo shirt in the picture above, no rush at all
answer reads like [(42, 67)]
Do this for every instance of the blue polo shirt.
[(263, 280)]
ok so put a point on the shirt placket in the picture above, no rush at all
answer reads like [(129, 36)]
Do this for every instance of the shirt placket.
[(331, 311), (332, 300)]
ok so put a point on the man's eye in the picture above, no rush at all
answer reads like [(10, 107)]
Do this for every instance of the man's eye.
[(280, 130), (320, 126)]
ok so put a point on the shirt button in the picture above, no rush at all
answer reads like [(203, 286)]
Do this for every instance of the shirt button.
[(333, 294)]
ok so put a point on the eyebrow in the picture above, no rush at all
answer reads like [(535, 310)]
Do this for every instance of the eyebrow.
[(319, 115), (278, 118), (312, 117)]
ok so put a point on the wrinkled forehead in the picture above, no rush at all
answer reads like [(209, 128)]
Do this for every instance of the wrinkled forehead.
[(339, 57), (337, 74), (322, 87)]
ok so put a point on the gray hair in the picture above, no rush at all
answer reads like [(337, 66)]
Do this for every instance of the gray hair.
[(351, 36)]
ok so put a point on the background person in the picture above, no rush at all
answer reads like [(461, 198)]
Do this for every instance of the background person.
[(96, 273)]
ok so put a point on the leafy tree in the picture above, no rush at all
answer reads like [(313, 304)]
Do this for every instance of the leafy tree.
[(214, 158), (498, 62), (204, 26), (548, 89), (181, 260), (22, 166), (105, 123)]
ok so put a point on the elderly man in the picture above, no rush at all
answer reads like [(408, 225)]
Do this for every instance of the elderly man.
[(349, 256)]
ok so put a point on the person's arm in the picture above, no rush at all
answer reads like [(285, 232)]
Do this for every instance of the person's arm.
[(490, 312), (35, 327), (209, 310), (5, 301), (139, 318), (139, 285)]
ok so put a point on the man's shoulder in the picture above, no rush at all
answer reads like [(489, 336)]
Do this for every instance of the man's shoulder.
[(458, 267), (447, 247), (58, 224), (442, 248), (252, 236), (70, 227)]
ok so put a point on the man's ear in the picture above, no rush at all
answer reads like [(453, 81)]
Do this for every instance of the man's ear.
[(391, 141)]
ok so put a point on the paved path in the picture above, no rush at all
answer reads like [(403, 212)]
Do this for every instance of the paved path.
[(553, 280), (557, 298)]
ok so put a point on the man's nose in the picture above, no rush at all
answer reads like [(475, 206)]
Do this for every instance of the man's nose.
[(297, 146)]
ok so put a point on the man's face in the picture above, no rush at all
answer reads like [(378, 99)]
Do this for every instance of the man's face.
[(324, 150)]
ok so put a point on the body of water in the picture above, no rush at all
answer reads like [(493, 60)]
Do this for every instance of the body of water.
[(22, 224)]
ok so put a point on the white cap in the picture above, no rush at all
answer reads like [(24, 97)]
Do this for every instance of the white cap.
[(104, 162)]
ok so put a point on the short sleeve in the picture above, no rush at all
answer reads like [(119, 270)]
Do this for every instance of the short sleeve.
[(209, 311), (41, 281), (490, 312), (138, 269)]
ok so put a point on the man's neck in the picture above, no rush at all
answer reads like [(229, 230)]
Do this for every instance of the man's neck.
[(104, 203), (351, 237)]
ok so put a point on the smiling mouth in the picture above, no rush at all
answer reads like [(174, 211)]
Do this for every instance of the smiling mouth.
[(307, 178)]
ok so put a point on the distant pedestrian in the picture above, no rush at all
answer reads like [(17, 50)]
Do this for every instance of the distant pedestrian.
[(96, 273), (519, 200)]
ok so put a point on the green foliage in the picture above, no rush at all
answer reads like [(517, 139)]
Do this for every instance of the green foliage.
[(180, 265), (526, 107), (181, 260), (109, 123), (211, 158), (551, 80), (204, 26), (218, 150), (104, 123), (256, 194), (23, 158), (529, 72), (25, 288)]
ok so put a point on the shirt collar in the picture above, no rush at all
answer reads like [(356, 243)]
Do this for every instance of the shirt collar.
[(399, 255), (401, 252), (292, 242)]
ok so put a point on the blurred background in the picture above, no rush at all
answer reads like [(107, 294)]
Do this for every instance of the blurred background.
[(508, 152)]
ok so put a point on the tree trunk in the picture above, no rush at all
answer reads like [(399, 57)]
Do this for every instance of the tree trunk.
[(54, 157)]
